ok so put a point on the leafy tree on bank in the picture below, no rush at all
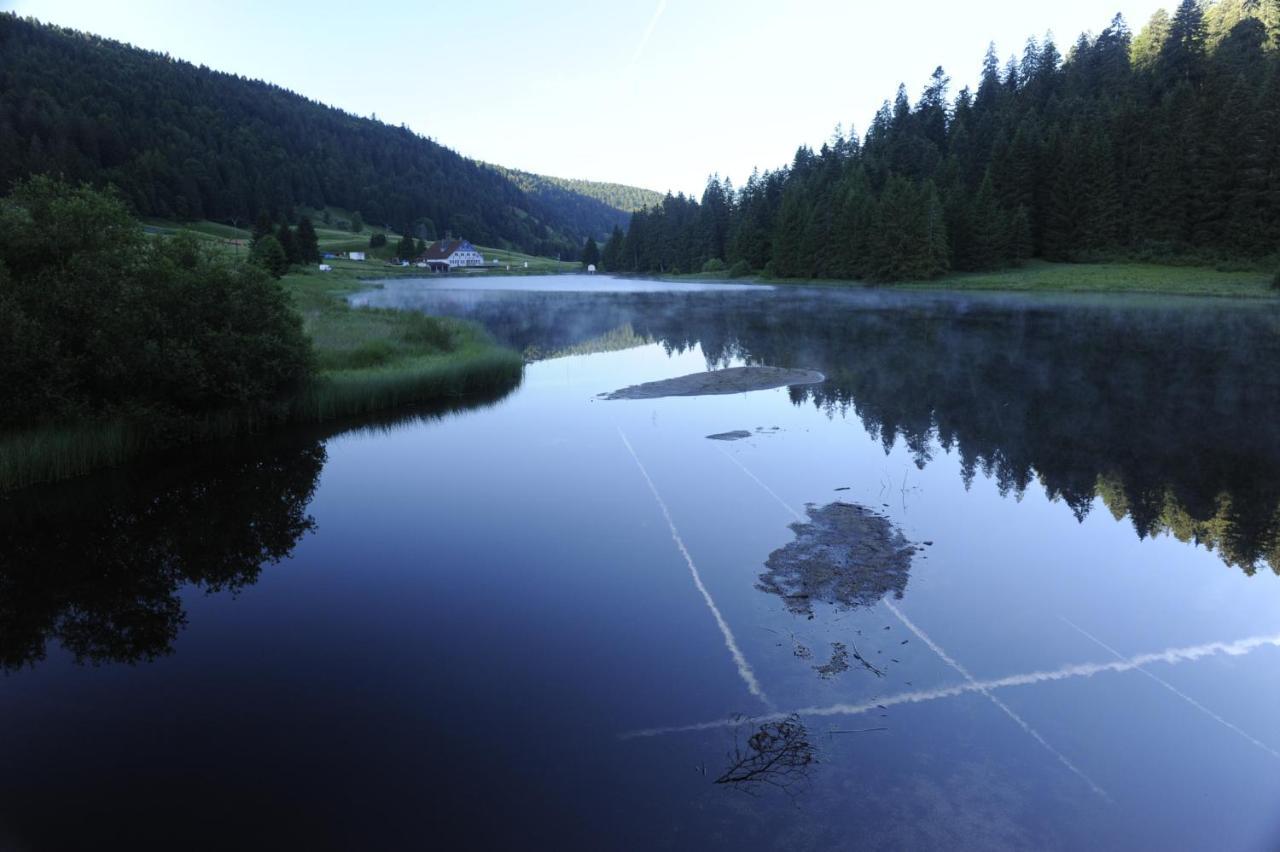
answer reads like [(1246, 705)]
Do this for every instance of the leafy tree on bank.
[(97, 320), (378, 240)]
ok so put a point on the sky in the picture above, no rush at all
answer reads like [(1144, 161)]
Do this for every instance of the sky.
[(653, 93)]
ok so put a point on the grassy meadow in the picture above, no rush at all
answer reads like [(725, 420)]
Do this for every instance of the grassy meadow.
[(1046, 277)]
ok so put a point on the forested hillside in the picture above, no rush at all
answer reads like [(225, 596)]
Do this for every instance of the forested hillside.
[(584, 204), (1164, 145), (186, 142)]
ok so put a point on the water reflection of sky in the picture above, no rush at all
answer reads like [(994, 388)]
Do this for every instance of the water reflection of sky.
[(549, 607)]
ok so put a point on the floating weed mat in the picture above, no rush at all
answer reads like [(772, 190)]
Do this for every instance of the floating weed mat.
[(846, 555)]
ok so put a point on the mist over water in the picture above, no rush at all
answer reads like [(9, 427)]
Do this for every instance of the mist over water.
[(1161, 409)]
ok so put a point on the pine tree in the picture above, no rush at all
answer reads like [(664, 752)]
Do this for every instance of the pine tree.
[(612, 256), (284, 236), (1018, 240), (590, 253), (1182, 55), (262, 227), (405, 249), (269, 254), (1144, 52), (308, 244), (987, 229)]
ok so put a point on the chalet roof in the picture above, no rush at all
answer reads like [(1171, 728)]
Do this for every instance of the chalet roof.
[(442, 249)]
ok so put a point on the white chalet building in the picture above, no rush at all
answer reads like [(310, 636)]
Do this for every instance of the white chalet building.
[(444, 255)]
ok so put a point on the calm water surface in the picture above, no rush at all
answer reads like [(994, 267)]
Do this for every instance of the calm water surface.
[(537, 621)]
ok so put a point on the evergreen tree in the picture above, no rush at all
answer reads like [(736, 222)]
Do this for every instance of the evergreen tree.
[(987, 230), (262, 227), (357, 222), (612, 256), (284, 236), (590, 253), (1018, 240), (405, 248), (308, 244), (1182, 55), (268, 254), (1146, 47)]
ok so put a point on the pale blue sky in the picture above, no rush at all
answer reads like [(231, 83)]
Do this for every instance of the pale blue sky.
[(657, 93)]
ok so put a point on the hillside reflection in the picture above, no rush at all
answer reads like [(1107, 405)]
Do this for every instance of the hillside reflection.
[(1164, 410), (98, 565)]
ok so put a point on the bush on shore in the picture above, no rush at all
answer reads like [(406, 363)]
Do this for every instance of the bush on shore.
[(98, 322)]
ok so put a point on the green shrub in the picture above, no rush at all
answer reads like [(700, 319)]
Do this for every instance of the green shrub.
[(740, 268), (378, 240), (97, 321), (715, 264)]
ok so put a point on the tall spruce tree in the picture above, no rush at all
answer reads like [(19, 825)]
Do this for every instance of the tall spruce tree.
[(308, 244), (590, 253)]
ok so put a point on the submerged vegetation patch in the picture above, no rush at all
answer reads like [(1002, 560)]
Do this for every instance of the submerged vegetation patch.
[(846, 555), (728, 380)]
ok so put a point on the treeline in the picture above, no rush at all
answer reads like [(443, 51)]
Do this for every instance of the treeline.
[(1164, 145), (185, 142)]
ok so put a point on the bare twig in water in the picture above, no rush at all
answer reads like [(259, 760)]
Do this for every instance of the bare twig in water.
[(777, 753), (865, 664)]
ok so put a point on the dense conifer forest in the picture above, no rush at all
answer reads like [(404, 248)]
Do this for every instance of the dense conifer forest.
[(1163, 145), (181, 141)]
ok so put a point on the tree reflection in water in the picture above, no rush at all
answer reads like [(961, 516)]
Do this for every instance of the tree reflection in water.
[(1164, 409), (97, 564)]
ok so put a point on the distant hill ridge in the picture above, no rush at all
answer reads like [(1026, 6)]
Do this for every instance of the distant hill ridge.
[(182, 141)]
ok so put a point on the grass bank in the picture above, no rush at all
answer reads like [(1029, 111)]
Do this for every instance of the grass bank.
[(1046, 277), (371, 359), (367, 360)]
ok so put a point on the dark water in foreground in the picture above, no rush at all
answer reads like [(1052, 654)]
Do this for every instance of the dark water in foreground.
[(540, 621)]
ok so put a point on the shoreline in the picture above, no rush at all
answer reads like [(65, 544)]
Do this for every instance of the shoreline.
[(1039, 276), (368, 361)]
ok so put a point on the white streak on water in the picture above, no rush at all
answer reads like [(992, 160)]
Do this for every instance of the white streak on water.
[(1169, 656), (1187, 698), (1008, 711), (731, 457), (947, 658), (744, 668)]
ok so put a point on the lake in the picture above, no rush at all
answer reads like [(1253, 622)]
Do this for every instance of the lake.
[(549, 620)]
